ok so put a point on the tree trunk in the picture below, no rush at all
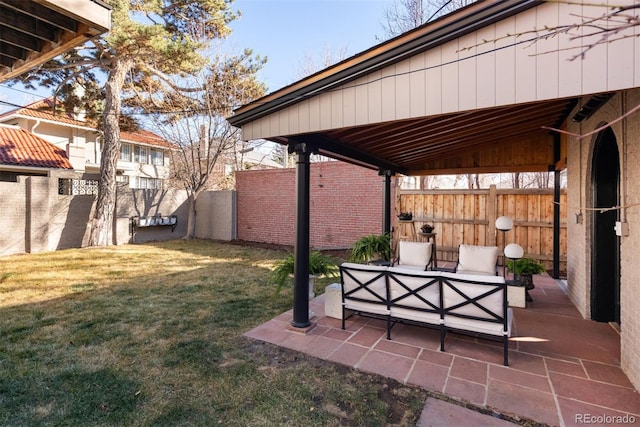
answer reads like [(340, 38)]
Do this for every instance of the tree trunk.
[(103, 217), (191, 219)]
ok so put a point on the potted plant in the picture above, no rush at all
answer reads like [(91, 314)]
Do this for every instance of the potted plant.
[(525, 268), (427, 228), (374, 247), (319, 265)]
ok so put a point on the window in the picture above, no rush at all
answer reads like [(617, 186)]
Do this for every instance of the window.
[(148, 183), (122, 178), (125, 152), (140, 154), (157, 157)]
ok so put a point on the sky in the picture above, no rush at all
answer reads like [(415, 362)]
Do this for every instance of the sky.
[(288, 30), (285, 31)]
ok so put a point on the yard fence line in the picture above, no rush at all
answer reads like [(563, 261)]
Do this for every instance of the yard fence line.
[(40, 213), (468, 217), (346, 204)]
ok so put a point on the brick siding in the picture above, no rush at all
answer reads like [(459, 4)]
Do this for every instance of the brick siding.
[(580, 242), (346, 204)]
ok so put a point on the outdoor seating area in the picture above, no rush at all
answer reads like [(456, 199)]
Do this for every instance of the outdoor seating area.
[(562, 368), (448, 302)]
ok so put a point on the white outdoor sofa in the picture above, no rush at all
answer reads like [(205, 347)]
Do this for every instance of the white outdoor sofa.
[(466, 303)]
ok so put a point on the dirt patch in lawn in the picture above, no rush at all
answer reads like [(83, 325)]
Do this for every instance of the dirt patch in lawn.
[(404, 403)]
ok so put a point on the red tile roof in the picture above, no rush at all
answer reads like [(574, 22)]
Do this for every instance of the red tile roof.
[(19, 147), (44, 110), (145, 137)]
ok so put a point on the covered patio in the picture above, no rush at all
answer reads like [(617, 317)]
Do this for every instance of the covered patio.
[(555, 376), (493, 87)]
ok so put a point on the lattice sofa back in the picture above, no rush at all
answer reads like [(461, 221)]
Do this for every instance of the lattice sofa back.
[(447, 301)]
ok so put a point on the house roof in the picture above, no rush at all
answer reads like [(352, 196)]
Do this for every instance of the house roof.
[(33, 32), (476, 91), (19, 147), (44, 110), (145, 137), (424, 37)]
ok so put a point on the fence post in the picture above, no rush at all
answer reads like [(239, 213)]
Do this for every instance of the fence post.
[(492, 215)]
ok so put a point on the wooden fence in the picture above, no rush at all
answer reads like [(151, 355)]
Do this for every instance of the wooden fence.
[(468, 217)]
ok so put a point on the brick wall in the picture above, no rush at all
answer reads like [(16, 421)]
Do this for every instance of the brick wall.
[(346, 204), (580, 242), (630, 247)]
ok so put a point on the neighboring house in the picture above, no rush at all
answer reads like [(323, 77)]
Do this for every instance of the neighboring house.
[(144, 157), (23, 153)]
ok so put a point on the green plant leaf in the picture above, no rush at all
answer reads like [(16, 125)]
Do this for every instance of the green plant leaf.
[(319, 265)]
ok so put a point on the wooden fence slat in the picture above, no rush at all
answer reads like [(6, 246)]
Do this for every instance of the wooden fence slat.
[(469, 217)]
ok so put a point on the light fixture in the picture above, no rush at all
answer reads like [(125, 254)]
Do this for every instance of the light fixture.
[(504, 224), (513, 251)]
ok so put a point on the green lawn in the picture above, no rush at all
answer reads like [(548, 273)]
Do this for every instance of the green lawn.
[(152, 335)]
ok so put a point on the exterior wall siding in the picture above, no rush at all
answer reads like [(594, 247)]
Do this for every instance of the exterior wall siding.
[(579, 159), (464, 75)]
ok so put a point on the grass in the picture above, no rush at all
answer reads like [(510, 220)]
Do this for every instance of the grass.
[(151, 334)]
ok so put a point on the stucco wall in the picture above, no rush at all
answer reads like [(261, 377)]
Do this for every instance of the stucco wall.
[(216, 215), (627, 132), (146, 203), (35, 218)]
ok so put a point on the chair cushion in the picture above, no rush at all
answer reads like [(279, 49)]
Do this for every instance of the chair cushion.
[(364, 283), (459, 290), (414, 253), (477, 259)]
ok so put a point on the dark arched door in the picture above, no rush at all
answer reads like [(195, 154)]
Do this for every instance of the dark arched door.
[(605, 258)]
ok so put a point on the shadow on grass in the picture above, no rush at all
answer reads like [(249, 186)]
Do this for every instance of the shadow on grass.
[(86, 357), (161, 344), (102, 396)]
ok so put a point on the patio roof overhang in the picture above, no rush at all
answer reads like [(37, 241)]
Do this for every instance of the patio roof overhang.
[(33, 32), (442, 100), (501, 139)]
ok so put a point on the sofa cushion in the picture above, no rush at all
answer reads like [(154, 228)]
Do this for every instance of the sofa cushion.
[(477, 260), (417, 254), (474, 301), (479, 326), (364, 283)]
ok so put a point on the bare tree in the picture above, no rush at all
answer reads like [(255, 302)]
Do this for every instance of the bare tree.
[(194, 121), (516, 179), (405, 15), (311, 64)]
